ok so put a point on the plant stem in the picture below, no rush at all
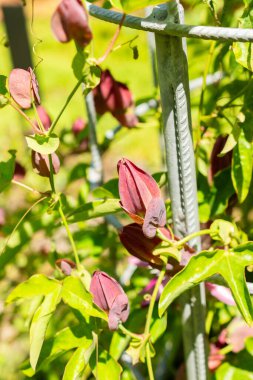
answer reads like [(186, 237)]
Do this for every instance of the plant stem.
[(148, 321), (25, 187), (112, 42), (226, 350), (35, 129), (41, 126), (64, 107), (129, 333), (20, 221), (192, 236), (51, 178), (72, 242)]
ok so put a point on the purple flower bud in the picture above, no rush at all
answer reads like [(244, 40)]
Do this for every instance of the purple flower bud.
[(65, 265), (110, 297), (24, 87), (44, 117), (19, 171), (140, 197), (133, 239), (219, 163), (41, 164), (115, 97), (70, 21)]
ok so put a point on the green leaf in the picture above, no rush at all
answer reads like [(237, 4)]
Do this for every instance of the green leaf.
[(132, 5), (222, 231), (229, 264), (238, 367), (7, 170), (108, 190), (3, 91), (78, 63), (3, 88), (118, 344), (78, 361), (40, 322), (223, 190), (231, 140), (107, 368), (63, 341), (91, 76), (43, 144), (242, 163), (76, 296), (37, 285), (243, 50), (94, 210), (158, 326)]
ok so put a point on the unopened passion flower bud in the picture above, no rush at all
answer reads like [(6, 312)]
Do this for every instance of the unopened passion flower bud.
[(66, 266), (110, 297), (78, 126), (44, 118), (219, 163), (41, 163), (24, 87), (140, 197), (133, 239), (70, 21), (115, 97)]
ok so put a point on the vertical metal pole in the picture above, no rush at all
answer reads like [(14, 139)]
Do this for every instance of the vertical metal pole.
[(175, 99), (17, 36)]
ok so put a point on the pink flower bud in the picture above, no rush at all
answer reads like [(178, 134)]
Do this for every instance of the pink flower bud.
[(2, 217), (110, 297), (133, 239), (219, 163), (65, 265), (140, 197), (24, 87), (41, 163), (44, 117), (78, 126), (115, 97), (215, 359), (70, 21)]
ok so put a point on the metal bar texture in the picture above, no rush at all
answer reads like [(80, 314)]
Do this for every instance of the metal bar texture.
[(154, 24), (17, 36), (175, 100)]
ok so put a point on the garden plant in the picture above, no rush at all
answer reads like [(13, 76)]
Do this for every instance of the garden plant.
[(128, 273)]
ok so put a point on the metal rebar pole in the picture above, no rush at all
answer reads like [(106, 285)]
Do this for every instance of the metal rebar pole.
[(151, 24), (175, 100)]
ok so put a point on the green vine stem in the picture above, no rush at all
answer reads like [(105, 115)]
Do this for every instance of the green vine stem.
[(148, 321), (192, 236), (64, 106), (63, 218), (129, 333)]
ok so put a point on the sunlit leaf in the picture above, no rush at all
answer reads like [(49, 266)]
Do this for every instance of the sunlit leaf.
[(78, 361), (43, 144), (106, 368), (243, 51), (94, 210), (229, 264), (242, 164), (37, 285), (40, 322), (76, 296), (7, 170)]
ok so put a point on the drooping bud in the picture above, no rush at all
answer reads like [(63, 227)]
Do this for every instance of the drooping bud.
[(65, 265), (19, 171), (110, 297), (44, 117), (78, 126), (219, 163), (140, 197), (24, 87), (70, 21), (115, 97), (41, 163), (133, 239), (2, 217)]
